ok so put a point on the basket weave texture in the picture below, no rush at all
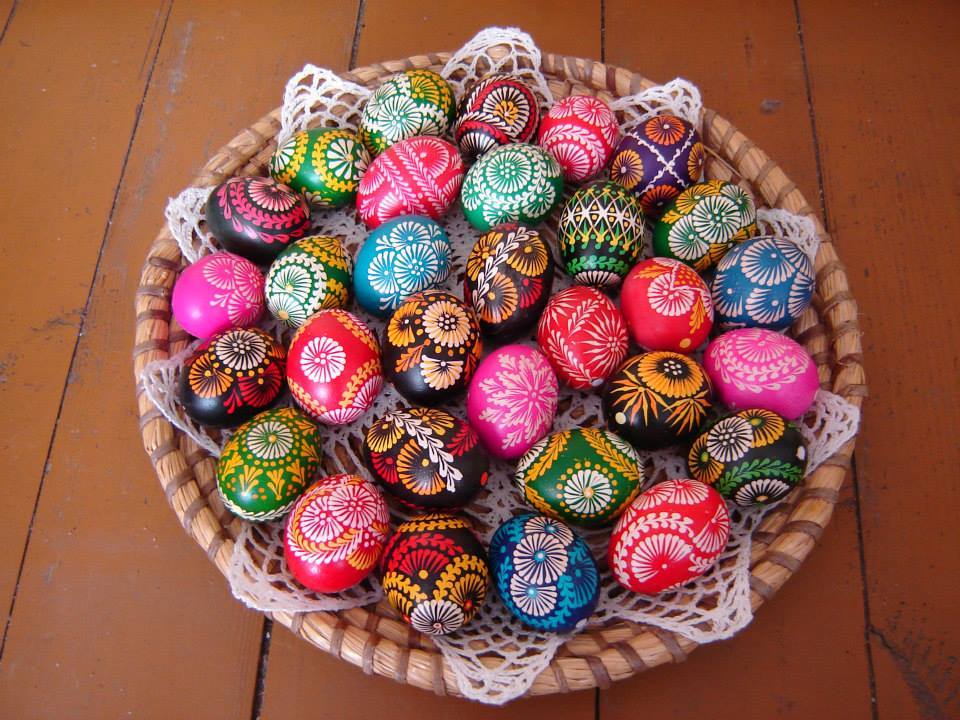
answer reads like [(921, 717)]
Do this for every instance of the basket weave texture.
[(373, 637)]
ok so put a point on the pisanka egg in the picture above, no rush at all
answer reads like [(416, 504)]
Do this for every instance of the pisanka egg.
[(426, 458), (511, 184), (325, 164), (583, 335), (401, 257), (312, 274), (333, 367), (580, 131), (544, 573), (508, 280), (765, 282), (657, 399), (335, 533), (671, 534), (434, 572), (413, 102), (218, 292), (667, 306), (657, 160), (753, 457), (757, 368), (267, 463), (431, 347), (512, 400), (232, 377), (584, 476), (495, 111), (416, 176)]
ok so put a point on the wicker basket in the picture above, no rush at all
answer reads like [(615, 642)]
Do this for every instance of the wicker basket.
[(372, 637)]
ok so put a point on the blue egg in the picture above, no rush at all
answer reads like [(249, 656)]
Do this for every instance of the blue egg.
[(401, 257), (544, 573), (766, 282)]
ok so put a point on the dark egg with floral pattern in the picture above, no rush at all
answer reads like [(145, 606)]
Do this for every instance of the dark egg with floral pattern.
[(508, 280), (434, 572), (496, 110), (752, 457), (657, 399), (431, 347), (232, 376), (426, 458), (256, 217)]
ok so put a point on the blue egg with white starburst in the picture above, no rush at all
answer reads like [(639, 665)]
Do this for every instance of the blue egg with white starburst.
[(401, 257), (766, 283), (544, 573)]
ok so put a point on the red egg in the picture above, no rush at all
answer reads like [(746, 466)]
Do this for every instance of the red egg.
[(335, 533), (667, 306), (333, 367), (670, 534), (583, 336), (580, 131)]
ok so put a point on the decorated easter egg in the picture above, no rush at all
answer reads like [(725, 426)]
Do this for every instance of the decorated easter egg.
[(703, 222), (325, 164), (232, 376), (672, 533), (512, 400), (434, 572), (757, 368), (600, 234), (267, 463), (667, 306), (765, 282), (657, 160), (496, 110), (585, 476), (426, 458), (403, 256), (544, 573), (580, 131), (256, 217), (335, 533), (217, 292), (431, 347), (333, 367), (657, 399), (312, 274), (753, 457), (416, 176), (508, 280), (512, 183), (414, 102), (583, 336)]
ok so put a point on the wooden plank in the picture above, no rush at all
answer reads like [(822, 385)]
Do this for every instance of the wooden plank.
[(69, 111), (298, 675), (804, 654), (885, 103), (118, 612)]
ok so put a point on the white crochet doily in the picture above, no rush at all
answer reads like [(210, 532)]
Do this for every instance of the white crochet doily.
[(713, 607)]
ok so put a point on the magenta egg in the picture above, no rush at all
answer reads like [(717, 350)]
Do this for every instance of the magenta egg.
[(757, 368), (218, 292), (512, 400)]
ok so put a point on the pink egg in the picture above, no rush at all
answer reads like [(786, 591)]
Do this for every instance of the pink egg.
[(757, 368), (218, 292), (512, 400), (580, 131)]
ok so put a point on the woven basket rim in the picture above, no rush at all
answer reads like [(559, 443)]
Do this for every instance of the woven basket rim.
[(385, 646)]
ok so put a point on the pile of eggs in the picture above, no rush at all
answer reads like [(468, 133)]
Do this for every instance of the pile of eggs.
[(503, 348)]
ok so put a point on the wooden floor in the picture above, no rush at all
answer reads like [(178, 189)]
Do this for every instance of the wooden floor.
[(109, 108)]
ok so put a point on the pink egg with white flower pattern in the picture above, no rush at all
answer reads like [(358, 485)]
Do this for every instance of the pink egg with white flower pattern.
[(669, 535), (512, 400), (580, 132), (218, 292), (757, 368)]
